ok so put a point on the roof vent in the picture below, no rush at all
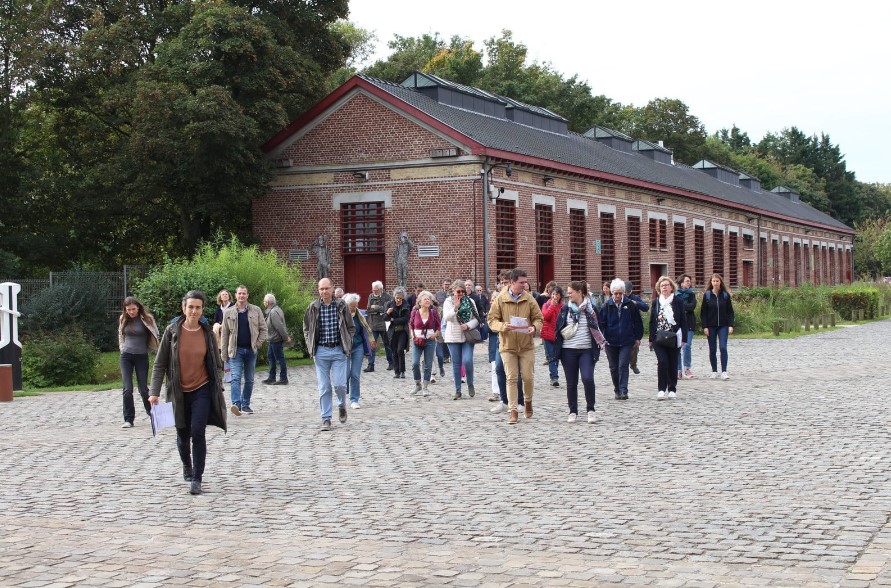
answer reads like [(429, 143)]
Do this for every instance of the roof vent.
[(610, 138), (719, 172), (535, 116), (787, 193), (750, 183), (652, 151), (457, 95)]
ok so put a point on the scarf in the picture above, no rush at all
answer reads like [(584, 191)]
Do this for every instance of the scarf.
[(464, 310), (666, 310)]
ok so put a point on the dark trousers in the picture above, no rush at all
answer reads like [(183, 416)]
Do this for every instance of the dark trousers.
[(577, 361), (501, 376), (667, 368), (717, 337), (632, 360), (139, 363), (197, 410), (399, 343), (382, 335), (277, 356), (619, 358)]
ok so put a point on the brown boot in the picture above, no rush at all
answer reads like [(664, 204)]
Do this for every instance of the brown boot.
[(528, 412), (512, 419)]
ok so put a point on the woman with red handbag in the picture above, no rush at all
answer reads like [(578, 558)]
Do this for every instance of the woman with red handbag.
[(424, 324)]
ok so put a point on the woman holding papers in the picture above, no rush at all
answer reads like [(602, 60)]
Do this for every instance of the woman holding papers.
[(189, 359)]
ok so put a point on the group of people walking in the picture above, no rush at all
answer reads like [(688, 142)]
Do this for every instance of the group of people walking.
[(197, 357)]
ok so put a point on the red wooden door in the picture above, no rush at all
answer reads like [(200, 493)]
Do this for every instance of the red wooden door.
[(359, 271)]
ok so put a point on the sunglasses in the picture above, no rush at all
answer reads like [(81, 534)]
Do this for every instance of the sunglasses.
[(459, 291)]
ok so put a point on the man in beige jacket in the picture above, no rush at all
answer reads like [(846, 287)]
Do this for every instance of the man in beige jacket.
[(516, 316), (244, 330)]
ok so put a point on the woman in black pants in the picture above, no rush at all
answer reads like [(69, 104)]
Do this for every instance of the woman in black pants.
[(398, 313), (137, 335), (190, 360), (579, 352), (667, 314)]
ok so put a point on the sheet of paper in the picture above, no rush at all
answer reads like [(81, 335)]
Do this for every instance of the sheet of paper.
[(519, 322), (162, 417)]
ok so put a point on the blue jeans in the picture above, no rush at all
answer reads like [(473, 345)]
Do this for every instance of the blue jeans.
[(245, 361), (353, 388), (440, 355), (428, 351), (139, 363), (277, 356), (465, 352), (685, 353), (331, 372), (619, 360), (552, 363), (575, 361), (717, 336), (382, 335), (190, 440), (501, 376), (493, 347)]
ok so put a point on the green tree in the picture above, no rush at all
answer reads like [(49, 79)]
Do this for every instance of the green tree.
[(361, 44), (409, 54), (459, 62), (146, 119), (669, 120)]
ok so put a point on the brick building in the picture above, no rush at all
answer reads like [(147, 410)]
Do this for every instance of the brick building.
[(481, 182)]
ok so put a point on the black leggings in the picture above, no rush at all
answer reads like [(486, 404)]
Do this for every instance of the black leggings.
[(667, 368), (399, 343)]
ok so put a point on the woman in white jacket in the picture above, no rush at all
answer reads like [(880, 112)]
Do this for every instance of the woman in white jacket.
[(460, 314)]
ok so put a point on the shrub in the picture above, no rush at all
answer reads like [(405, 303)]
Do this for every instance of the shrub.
[(856, 297), (60, 357), (226, 264), (82, 301)]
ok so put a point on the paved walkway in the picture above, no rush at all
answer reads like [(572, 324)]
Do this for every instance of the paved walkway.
[(777, 477)]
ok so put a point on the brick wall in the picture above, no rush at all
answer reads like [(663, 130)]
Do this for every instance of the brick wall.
[(438, 202)]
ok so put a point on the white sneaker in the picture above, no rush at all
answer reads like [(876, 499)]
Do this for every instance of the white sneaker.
[(713, 375), (660, 395), (672, 394), (432, 378), (500, 407), (571, 418), (725, 376), (590, 417), (355, 405)]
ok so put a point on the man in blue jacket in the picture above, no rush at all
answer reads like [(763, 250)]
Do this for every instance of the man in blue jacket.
[(622, 327)]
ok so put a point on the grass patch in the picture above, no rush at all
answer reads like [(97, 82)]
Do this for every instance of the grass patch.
[(108, 374)]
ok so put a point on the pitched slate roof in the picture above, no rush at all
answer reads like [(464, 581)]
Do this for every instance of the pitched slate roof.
[(576, 150)]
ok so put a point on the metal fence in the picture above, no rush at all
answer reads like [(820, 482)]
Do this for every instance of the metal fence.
[(117, 284)]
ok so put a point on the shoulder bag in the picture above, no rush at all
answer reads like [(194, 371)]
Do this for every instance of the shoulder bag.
[(572, 325)]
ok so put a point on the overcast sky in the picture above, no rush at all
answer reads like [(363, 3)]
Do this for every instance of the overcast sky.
[(762, 65)]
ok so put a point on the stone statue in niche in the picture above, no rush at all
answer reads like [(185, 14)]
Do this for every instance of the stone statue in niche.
[(323, 255), (400, 258)]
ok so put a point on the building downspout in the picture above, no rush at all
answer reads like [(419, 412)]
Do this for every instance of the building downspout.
[(484, 177), (760, 257)]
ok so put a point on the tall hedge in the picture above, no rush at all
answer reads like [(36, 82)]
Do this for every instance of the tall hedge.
[(226, 264)]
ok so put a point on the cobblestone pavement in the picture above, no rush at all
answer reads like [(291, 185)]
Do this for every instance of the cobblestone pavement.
[(776, 477)]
